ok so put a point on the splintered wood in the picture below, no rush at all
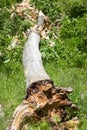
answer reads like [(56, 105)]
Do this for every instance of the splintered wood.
[(27, 11), (45, 102)]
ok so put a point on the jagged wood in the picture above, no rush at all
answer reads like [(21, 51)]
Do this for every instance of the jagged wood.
[(46, 102), (43, 101)]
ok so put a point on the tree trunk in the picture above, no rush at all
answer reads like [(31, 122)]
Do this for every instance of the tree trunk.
[(43, 101), (32, 61)]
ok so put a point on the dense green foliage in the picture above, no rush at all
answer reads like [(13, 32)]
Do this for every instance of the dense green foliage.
[(11, 27), (6, 3), (70, 27), (72, 16), (72, 8)]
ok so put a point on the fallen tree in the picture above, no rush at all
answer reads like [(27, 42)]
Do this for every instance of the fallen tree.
[(43, 101)]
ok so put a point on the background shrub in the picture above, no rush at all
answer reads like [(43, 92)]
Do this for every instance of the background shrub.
[(69, 19)]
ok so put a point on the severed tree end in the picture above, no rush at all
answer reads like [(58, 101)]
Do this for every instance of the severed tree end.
[(45, 102)]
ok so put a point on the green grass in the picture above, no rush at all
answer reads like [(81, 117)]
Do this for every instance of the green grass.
[(12, 90), (12, 93)]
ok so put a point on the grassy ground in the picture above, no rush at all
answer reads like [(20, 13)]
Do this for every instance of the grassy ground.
[(12, 91)]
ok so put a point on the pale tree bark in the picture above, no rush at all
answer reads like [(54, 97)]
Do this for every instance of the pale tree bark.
[(32, 61)]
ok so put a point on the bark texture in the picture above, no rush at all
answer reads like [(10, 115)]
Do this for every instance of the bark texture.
[(32, 60)]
